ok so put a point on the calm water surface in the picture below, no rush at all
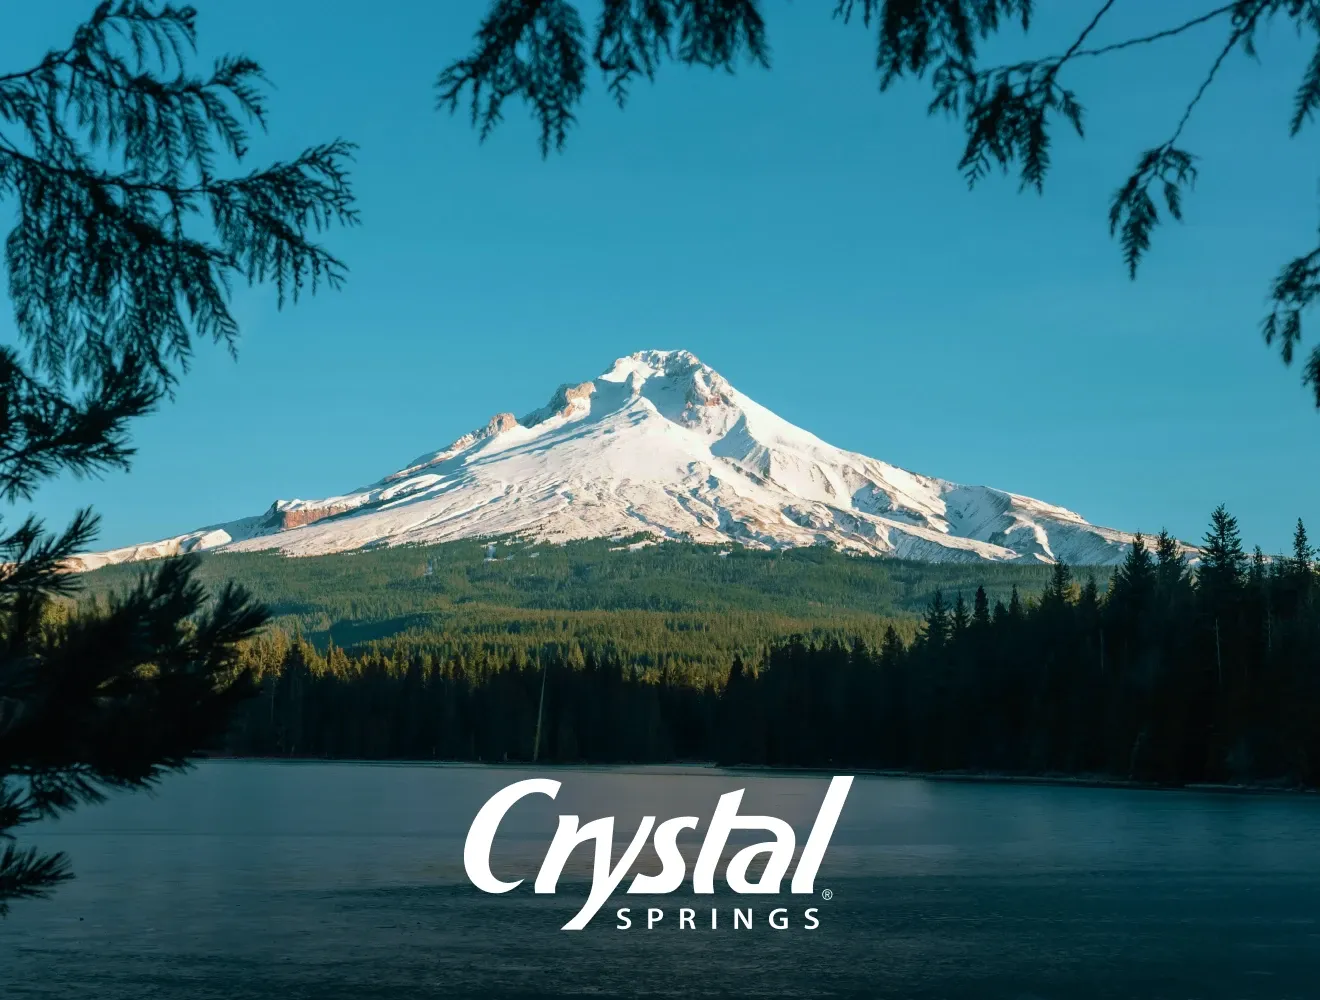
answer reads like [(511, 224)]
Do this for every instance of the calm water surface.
[(259, 880)]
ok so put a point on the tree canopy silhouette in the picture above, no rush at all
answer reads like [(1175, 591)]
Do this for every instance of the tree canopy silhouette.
[(1167, 673), (537, 51), (127, 240)]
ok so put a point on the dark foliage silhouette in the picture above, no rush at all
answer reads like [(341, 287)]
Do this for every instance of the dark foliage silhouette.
[(126, 240), (539, 52), (1168, 675)]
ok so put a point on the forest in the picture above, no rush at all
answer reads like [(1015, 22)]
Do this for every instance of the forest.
[(1165, 673), (677, 606)]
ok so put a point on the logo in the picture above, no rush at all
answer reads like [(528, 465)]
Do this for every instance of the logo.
[(607, 875)]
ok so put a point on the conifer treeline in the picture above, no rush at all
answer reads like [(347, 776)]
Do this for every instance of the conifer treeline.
[(1167, 676)]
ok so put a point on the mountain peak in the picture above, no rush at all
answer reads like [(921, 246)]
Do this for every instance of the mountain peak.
[(667, 362), (655, 364), (661, 443)]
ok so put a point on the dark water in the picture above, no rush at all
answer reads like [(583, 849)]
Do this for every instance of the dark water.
[(250, 880)]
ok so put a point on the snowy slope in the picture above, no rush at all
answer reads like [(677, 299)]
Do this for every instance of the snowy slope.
[(661, 444)]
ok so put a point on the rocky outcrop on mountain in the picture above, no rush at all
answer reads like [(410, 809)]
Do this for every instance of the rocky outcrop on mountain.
[(282, 519)]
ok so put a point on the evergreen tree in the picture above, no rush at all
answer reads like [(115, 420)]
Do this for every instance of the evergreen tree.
[(1258, 571), (961, 619), (1088, 600), (1058, 592), (891, 647), (1135, 579), (1128, 606), (1223, 562), (127, 236), (1171, 573), (981, 609), (736, 673), (1303, 554), (939, 623)]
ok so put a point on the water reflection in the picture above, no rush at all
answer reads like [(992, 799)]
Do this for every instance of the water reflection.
[(325, 880)]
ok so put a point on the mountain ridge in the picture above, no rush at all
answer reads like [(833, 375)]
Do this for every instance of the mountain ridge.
[(664, 445)]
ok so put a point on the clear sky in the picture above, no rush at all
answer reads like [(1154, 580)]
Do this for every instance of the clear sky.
[(804, 234)]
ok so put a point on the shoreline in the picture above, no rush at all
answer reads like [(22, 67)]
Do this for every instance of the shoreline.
[(964, 777)]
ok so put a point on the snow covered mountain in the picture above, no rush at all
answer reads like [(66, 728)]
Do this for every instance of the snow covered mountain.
[(660, 444)]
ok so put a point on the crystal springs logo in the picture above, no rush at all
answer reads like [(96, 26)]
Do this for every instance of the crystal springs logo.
[(607, 875)]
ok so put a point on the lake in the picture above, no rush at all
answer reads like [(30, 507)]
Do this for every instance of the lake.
[(247, 879)]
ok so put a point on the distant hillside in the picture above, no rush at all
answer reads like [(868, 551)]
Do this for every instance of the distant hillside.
[(699, 603)]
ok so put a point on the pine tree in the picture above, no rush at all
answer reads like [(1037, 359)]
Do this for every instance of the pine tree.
[(1257, 572), (891, 647), (1220, 579), (1171, 573), (938, 622), (961, 619), (1260, 589), (1014, 605), (981, 609), (1135, 578), (1303, 554), (1058, 592), (1089, 599), (1128, 604), (737, 673), (127, 236), (1223, 561)]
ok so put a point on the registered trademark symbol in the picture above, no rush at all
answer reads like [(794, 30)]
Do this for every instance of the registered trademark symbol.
[(827, 894)]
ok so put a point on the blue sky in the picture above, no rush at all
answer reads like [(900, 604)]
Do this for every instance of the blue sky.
[(806, 235)]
